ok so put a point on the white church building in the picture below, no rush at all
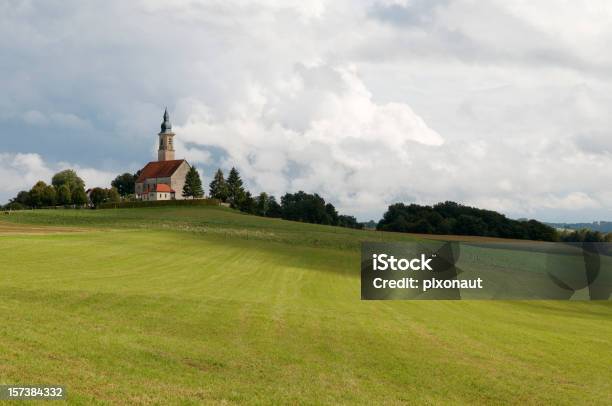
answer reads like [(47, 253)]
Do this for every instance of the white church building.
[(163, 179)]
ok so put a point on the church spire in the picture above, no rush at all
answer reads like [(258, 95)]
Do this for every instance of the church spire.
[(166, 147), (166, 126)]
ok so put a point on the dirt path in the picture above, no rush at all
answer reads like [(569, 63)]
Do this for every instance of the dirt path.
[(28, 229)]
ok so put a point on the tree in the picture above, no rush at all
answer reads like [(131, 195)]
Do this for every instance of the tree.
[(585, 235), (79, 197), (64, 197), (193, 184), (124, 183), (14, 205), (218, 187), (113, 195), (348, 221), (332, 214), (22, 198), (49, 196), (301, 206), (246, 203), (234, 187), (37, 194), (542, 232), (274, 209), (453, 218), (67, 177), (262, 203), (98, 195), (19, 202)]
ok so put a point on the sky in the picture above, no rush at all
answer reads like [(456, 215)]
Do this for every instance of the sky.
[(499, 104)]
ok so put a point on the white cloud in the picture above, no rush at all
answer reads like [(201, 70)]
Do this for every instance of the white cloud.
[(18, 171), (493, 103), (340, 137), (572, 201), (22, 170)]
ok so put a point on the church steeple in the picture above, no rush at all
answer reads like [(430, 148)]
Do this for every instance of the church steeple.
[(166, 146), (166, 125)]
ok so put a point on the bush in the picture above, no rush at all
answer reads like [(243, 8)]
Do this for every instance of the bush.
[(138, 204), (14, 206)]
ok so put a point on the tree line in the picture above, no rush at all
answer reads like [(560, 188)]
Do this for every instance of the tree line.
[(66, 189), (300, 206), (450, 218), (453, 218), (584, 235)]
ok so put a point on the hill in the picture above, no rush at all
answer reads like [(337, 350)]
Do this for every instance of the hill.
[(207, 305), (601, 226)]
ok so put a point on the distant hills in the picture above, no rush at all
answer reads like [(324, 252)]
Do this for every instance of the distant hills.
[(602, 226)]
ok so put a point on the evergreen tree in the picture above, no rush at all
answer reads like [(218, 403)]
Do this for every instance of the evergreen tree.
[(193, 184), (218, 187), (234, 187)]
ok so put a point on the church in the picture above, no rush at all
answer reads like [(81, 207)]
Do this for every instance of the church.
[(163, 179)]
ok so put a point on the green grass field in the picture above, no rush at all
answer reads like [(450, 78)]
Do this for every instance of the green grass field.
[(204, 305)]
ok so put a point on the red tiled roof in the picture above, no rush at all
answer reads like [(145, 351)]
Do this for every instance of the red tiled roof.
[(161, 187), (159, 169)]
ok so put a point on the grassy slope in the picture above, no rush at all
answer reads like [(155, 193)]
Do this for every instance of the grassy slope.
[(214, 221), (239, 308)]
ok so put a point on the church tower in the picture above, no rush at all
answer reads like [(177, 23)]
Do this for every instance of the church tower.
[(166, 145)]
